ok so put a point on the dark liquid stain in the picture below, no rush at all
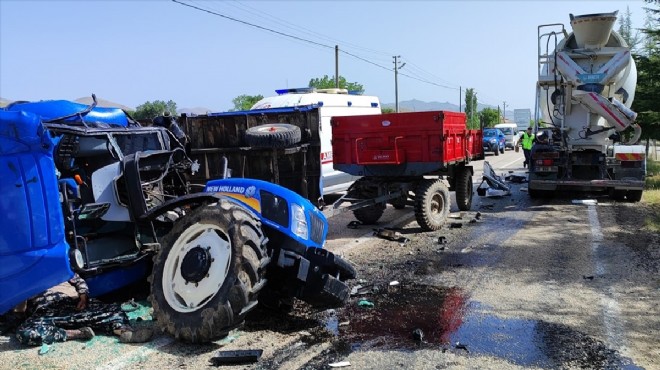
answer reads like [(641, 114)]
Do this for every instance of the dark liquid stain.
[(448, 321)]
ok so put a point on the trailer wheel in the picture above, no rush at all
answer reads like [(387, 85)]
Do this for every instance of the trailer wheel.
[(369, 215), (208, 273), (273, 135), (634, 195), (464, 190), (400, 203), (431, 204)]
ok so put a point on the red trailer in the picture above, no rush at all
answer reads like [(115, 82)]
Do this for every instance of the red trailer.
[(400, 153)]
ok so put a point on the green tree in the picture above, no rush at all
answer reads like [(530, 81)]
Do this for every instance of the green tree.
[(631, 37), (149, 110), (471, 108), (329, 83), (646, 101), (490, 117), (387, 110), (245, 102)]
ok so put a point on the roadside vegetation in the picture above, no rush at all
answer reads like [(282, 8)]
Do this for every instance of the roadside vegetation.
[(651, 194)]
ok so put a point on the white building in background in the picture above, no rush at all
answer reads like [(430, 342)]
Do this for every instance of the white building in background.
[(522, 117)]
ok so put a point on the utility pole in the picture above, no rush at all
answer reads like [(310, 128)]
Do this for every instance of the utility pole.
[(337, 66), (397, 67), (499, 116), (504, 111), (460, 97)]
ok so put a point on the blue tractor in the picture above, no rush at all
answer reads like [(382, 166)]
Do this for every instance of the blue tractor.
[(89, 190)]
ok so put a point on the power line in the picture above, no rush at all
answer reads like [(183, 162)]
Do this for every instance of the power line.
[(254, 25)]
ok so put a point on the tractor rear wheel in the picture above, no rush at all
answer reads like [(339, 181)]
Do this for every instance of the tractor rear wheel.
[(431, 204), (209, 271)]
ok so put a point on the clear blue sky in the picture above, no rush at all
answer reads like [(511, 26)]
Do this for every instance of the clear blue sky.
[(130, 52)]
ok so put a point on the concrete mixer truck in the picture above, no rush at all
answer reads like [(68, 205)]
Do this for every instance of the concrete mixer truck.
[(586, 132)]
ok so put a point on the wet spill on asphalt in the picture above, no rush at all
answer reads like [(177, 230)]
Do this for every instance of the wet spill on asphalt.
[(411, 317)]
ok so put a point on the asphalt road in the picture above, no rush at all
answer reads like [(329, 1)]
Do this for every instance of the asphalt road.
[(527, 284)]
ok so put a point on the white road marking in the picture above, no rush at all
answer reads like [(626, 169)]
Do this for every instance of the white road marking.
[(610, 307)]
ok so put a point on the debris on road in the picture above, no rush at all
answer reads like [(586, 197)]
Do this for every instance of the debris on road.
[(517, 179), (354, 224), (477, 216), (455, 225), (492, 185), (237, 357), (364, 289), (460, 345), (365, 304), (418, 335), (590, 277), (394, 282), (442, 240), (340, 364), (390, 234)]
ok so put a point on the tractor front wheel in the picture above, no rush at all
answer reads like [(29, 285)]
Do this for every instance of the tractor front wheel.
[(209, 271)]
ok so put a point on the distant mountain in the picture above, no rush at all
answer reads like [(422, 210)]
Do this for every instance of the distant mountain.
[(194, 111), (422, 106), (103, 103), (4, 102)]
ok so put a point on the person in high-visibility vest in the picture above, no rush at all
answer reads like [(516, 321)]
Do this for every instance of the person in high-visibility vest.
[(526, 141)]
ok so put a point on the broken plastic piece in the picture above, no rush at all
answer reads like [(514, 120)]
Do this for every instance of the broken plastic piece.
[(366, 304), (460, 345), (44, 349), (587, 277), (394, 282), (442, 240), (246, 356), (390, 235)]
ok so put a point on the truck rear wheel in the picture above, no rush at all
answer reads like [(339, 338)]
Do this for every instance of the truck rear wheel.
[(464, 190), (431, 204), (208, 273), (634, 195), (273, 135)]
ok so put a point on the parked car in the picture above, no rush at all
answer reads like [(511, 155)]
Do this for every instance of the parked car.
[(494, 140)]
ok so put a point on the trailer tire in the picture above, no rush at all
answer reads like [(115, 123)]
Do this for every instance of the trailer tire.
[(369, 215), (464, 190), (273, 135), (400, 203), (431, 204), (634, 195), (218, 252)]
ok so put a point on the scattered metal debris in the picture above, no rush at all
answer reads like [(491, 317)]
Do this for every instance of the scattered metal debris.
[(517, 179), (236, 357), (585, 277), (492, 185), (442, 240), (390, 234), (394, 282), (455, 225), (477, 216)]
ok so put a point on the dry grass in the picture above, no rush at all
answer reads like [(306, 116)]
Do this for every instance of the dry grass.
[(651, 195)]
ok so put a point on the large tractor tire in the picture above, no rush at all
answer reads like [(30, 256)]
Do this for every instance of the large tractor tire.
[(431, 204), (464, 189), (209, 271), (273, 135)]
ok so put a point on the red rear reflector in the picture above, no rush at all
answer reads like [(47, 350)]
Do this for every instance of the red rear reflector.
[(629, 156)]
